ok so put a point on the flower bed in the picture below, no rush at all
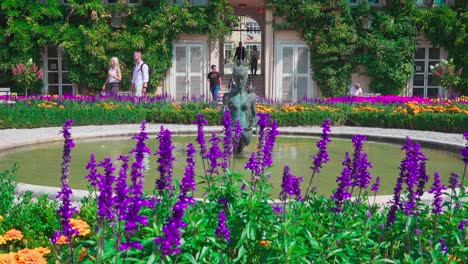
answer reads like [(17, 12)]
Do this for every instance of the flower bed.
[(236, 221), (383, 111)]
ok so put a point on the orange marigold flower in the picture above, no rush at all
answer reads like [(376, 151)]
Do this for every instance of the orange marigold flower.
[(81, 226), (2, 240), (13, 234), (265, 243), (7, 258), (42, 250), (62, 240), (29, 256)]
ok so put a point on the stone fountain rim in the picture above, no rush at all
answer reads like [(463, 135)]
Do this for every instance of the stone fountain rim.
[(396, 136)]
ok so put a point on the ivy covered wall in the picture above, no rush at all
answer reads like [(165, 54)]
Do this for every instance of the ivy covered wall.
[(83, 28), (339, 43), (332, 28)]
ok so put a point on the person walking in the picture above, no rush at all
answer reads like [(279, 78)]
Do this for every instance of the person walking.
[(254, 60), (114, 76), (214, 81), (140, 75), (240, 53)]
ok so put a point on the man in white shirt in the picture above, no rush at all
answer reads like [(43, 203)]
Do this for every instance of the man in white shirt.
[(140, 75), (355, 90)]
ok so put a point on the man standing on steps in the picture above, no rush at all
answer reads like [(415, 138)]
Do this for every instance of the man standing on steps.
[(214, 81), (140, 75), (240, 53)]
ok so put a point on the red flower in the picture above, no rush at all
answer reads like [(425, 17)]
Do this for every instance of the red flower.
[(324, 8), (338, 11), (39, 74), (459, 72), (260, 11), (438, 74)]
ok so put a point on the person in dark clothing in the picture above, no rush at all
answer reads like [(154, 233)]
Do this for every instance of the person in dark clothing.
[(214, 81), (240, 53)]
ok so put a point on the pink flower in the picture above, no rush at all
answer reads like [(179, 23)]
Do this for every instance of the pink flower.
[(39, 74), (34, 68), (14, 70), (459, 72), (440, 70), (438, 74)]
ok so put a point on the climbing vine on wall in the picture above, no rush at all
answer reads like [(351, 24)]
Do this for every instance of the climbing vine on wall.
[(328, 28), (84, 30)]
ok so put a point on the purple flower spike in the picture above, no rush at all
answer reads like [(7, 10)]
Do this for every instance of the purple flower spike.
[(376, 185), (291, 185), (92, 175), (66, 210), (223, 230), (270, 144), (462, 228), (188, 182), (322, 154), (443, 246), (454, 180), (201, 122), (437, 189), (105, 198), (341, 192), (121, 191), (135, 200), (165, 160), (214, 154)]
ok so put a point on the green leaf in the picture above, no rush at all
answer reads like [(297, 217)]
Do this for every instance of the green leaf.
[(189, 257)]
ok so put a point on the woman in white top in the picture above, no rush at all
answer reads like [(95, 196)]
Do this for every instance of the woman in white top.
[(114, 76), (356, 90)]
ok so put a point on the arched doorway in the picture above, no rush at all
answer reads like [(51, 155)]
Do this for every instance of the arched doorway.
[(247, 31)]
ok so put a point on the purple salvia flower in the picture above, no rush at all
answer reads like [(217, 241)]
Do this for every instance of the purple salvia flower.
[(423, 178), (357, 144), (66, 210), (277, 208), (375, 187), (121, 191), (454, 180), (169, 243), (437, 189), (188, 181), (270, 144), (201, 122), (363, 176), (227, 140), (443, 246), (263, 121), (92, 175), (223, 230), (291, 185), (136, 200), (105, 197), (165, 160), (396, 203), (253, 165), (462, 228), (341, 192), (322, 154), (214, 154)]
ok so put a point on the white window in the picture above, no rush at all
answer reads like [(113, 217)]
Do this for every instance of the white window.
[(56, 73)]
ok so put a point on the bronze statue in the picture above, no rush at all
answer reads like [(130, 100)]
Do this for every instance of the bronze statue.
[(242, 104)]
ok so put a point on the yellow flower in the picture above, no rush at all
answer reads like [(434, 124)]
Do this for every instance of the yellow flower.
[(2, 240), (13, 234), (7, 258), (29, 256), (81, 226)]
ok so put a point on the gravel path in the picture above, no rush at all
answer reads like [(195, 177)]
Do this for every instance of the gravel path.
[(13, 138)]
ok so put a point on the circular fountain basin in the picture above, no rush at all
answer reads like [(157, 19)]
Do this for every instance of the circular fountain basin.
[(40, 164)]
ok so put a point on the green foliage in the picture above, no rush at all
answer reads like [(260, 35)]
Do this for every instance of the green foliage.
[(83, 29), (448, 28), (7, 189)]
